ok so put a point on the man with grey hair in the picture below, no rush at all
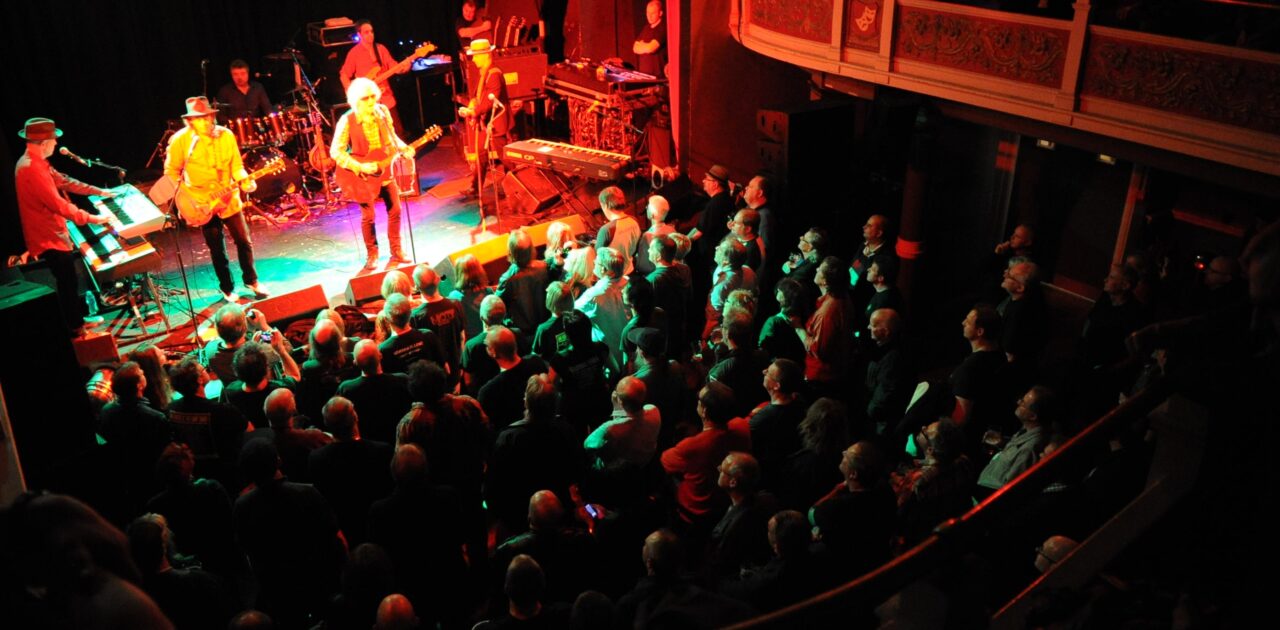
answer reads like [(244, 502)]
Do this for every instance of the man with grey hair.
[(622, 231), (602, 302), (351, 472), (739, 539), (477, 365), (381, 398), (406, 343), (657, 210), (1025, 315)]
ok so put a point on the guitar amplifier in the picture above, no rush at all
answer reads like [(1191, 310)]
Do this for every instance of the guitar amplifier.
[(320, 34), (523, 71)]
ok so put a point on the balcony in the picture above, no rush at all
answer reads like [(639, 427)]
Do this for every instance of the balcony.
[(1205, 100)]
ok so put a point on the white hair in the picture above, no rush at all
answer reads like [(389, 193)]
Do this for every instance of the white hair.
[(359, 88)]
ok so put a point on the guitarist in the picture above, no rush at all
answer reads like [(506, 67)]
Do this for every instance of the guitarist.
[(490, 93), (366, 56), (203, 157), (360, 137)]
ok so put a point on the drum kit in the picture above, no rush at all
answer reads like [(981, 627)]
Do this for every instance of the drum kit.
[(298, 135)]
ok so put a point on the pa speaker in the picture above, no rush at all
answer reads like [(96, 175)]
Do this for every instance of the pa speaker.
[(367, 288), (282, 310), (43, 388), (530, 190)]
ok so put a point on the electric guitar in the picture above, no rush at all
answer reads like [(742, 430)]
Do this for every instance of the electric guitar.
[(378, 75), (364, 187), (197, 207)]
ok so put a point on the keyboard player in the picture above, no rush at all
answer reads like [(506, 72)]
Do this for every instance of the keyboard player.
[(45, 209)]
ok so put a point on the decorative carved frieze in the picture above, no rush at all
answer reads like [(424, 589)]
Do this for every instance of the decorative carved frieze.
[(1017, 52), (805, 19), (1210, 86)]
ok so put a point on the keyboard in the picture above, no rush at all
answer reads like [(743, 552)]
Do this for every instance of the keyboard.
[(568, 159), (132, 212), (113, 258)]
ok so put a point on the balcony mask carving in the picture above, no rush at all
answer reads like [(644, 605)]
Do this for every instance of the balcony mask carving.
[(1017, 52), (1204, 85)]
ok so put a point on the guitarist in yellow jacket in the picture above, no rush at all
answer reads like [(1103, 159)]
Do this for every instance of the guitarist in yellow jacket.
[(203, 158), (362, 138)]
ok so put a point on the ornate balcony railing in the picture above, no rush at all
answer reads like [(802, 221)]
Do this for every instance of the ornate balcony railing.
[(1210, 101)]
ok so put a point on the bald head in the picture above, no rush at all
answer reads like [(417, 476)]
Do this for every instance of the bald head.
[(426, 280), (280, 408), (631, 393), (396, 613), (501, 343), (545, 510), (251, 620), (368, 357), (492, 310)]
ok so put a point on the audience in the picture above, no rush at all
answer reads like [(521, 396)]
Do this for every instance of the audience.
[(522, 286)]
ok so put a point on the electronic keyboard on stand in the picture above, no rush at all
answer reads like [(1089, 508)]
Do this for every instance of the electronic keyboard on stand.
[(132, 213), (568, 159)]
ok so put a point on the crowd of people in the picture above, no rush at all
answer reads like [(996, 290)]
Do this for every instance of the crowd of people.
[(673, 422)]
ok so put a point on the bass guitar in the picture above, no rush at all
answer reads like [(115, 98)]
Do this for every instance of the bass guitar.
[(197, 207), (379, 75), (363, 187)]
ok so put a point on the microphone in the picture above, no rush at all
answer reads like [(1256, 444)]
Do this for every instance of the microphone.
[(493, 98), (67, 152)]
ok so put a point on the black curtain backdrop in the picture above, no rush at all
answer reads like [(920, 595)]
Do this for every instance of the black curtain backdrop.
[(112, 73)]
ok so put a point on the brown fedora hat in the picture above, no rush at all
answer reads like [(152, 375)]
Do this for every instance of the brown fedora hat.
[(38, 129), (199, 107)]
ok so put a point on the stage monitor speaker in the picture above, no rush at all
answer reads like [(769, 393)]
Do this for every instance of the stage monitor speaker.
[(43, 386), (283, 310), (367, 288), (530, 190), (96, 348)]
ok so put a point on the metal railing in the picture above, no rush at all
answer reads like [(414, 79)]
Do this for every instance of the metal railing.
[(1173, 469)]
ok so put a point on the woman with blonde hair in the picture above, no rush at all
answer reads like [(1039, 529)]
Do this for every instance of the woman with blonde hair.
[(580, 270), (397, 281), (472, 288), (560, 242)]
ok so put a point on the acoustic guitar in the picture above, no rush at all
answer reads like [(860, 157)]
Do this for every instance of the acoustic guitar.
[(379, 75), (197, 207), (364, 187)]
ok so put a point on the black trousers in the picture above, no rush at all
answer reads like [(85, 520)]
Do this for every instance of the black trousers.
[(214, 237), (70, 300)]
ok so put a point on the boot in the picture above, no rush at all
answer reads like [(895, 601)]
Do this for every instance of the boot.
[(371, 259)]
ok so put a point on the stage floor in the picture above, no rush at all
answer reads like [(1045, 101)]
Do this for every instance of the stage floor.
[(324, 248)]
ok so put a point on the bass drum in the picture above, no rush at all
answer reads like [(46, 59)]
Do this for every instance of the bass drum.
[(276, 185)]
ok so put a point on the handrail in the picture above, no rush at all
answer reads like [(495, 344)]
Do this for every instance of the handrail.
[(955, 535)]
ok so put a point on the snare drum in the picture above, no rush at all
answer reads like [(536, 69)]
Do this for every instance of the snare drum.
[(246, 131), (275, 185), (277, 128)]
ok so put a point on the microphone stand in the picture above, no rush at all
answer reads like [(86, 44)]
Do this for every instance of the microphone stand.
[(488, 143), (317, 119)]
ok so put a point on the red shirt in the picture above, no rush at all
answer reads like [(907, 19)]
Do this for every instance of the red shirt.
[(44, 211), (360, 60), (696, 459), (830, 331)]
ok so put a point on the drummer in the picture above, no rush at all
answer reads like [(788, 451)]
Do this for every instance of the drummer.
[(242, 97)]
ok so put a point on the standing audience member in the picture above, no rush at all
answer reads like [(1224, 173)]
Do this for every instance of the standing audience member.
[(828, 335), (441, 315), (693, 461), (778, 337), (672, 292), (294, 441), (622, 232), (134, 432), (213, 430), (470, 291), (1038, 412), (407, 344), (775, 426), (523, 285), (630, 437), (380, 398), (350, 472), (855, 521), (291, 536), (602, 304), (808, 472), (190, 596), (501, 396), (656, 210), (739, 540), (549, 339)]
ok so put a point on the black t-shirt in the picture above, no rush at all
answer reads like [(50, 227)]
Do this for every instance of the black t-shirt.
[(502, 398), (235, 104), (446, 319), (980, 378), (250, 403), (653, 63), (462, 23), (401, 351)]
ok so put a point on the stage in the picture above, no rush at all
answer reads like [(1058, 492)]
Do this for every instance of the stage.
[(320, 246)]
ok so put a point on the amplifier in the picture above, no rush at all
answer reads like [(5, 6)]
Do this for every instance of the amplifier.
[(523, 73), (321, 35)]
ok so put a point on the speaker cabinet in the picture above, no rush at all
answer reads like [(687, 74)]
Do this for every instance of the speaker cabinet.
[(367, 288), (43, 386), (283, 310), (523, 69), (530, 190)]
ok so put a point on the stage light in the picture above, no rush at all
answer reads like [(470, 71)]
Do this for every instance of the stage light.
[(1047, 145), (1106, 159)]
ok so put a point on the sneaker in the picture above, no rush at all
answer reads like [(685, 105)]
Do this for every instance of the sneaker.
[(230, 298), (259, 292)]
